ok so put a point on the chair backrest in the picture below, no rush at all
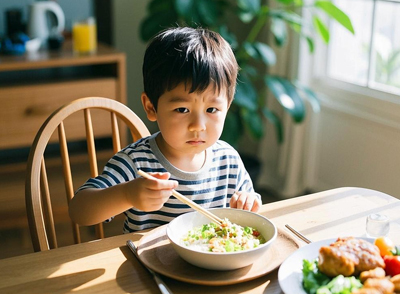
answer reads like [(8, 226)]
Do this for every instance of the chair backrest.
[(37, 193)]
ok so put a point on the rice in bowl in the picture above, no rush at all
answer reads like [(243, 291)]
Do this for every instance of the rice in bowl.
[(178, 228), (229, 237)]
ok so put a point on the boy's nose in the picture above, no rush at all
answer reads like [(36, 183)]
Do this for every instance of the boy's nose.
[(197, 124)]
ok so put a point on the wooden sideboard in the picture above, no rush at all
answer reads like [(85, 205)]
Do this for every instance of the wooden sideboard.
[(32, 86)]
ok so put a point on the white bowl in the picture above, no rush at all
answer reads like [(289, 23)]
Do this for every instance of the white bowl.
[(181, 225)]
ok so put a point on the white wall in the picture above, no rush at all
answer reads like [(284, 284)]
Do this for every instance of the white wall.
[(356, 148), (357, 136), (127, 17)]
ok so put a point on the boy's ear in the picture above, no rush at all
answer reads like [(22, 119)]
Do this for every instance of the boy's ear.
[(148, 107)]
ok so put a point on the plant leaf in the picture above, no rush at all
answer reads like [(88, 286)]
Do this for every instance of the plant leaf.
[(275, 121), (246, 95), (233, 128), (253, 123), (286, 2), (188, 11), (248, 9), (208, 11), (251, 6), (286, 95), (310, 96), (278, 29), (160, 5), (185, 7), (245, 17), (228, 36), (266, 54), (310, 43), (288, 16), (248, 70), (260, 51), (156, 22), (250, 50), (337, 14), (321, 28)]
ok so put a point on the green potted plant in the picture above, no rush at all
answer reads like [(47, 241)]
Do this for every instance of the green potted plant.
[(249, 109)]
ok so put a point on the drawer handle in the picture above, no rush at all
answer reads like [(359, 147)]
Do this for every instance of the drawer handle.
[(39, 110)]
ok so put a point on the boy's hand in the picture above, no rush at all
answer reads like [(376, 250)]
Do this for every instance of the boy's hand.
[(150, 195), (245, 201)]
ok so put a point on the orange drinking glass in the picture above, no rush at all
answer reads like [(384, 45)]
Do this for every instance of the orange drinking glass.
[(84, 35)]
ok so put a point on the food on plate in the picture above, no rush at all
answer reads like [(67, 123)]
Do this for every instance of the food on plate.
[(396, 282), (349, 256), (385, 245), (354, 266), (383, 285), (366, 291), (228, 237), (376, 273), (392, 265), (316, 282)]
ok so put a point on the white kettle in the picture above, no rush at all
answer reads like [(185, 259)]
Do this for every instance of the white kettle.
[(37, 22)]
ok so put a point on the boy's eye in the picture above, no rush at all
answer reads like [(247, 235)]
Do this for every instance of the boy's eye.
[(211, 110), (182, 110)]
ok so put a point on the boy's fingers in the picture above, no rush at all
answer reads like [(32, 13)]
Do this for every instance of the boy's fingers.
[(161, 176), (256, 206), (162, 181), (249, 203), (241, 201), (233, 201), (238, 200)]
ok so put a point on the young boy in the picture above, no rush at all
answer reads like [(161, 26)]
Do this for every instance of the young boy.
[(189, 83)]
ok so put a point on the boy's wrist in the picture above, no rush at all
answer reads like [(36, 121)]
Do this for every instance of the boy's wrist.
[(125, 192)]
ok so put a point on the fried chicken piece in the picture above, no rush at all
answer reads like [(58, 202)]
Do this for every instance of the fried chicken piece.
[(332, 262), (396, 282), (349, 256), (366, 291), (383, 285), (377, 273)]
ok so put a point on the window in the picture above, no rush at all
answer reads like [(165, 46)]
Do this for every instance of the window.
[(371, 57)]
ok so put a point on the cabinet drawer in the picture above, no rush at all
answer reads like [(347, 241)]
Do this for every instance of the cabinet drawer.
[(24, 109)]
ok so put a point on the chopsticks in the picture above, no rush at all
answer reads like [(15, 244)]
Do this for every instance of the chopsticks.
[(298, 234), (187, 201)]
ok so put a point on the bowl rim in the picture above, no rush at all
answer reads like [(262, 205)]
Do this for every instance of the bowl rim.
[(267, 243)]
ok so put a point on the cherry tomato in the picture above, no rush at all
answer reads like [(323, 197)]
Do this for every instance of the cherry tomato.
[(392, 265), (385, 245)]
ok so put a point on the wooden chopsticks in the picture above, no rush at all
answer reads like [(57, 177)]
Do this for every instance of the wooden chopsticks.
[(298, 234), (187, 201)]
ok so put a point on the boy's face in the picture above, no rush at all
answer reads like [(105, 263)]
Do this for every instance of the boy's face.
[(189, 122)]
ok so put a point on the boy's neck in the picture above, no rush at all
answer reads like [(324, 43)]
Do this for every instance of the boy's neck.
[(185, 162)]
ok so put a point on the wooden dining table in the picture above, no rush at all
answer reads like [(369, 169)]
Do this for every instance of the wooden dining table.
[(108, 266)]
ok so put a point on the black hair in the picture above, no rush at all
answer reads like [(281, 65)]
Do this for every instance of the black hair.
[(196, 57)]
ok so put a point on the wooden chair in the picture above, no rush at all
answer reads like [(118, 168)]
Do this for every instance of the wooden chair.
[(37, 194)]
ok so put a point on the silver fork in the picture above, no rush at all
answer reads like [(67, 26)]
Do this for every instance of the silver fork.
[(160, 283)]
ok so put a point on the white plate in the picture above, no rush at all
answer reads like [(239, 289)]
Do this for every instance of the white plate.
[(290, 276)]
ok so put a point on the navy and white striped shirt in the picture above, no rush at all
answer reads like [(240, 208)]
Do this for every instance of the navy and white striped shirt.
[(222, 174)]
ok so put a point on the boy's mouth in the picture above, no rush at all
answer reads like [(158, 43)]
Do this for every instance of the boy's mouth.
[(195, 142)]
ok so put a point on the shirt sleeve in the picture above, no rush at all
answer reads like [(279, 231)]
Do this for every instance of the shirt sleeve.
[(119, 169)]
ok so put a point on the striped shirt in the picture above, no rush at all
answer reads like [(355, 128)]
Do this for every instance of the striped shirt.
[(222, 174)]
